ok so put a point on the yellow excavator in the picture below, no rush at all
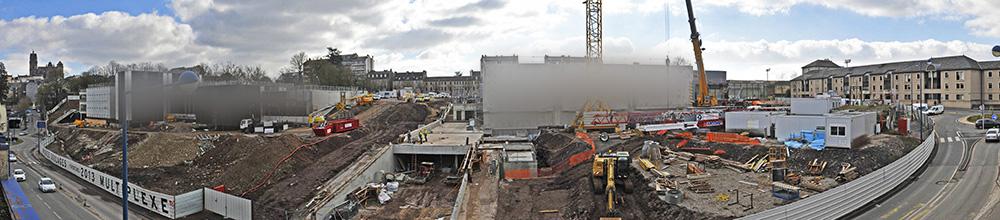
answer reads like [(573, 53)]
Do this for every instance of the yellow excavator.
[(703, 98), (614, 170)]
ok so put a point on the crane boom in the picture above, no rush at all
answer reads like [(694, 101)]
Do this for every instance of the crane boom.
[(702, 96)]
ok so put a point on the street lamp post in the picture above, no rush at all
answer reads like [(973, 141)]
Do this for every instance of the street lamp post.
[(931, 68)]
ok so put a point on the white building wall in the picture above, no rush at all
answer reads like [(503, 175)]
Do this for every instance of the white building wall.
[(100, 101), (525, 96)]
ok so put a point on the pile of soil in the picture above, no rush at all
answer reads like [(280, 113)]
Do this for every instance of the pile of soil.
[(555, 147), (379, 129), (240, 162)]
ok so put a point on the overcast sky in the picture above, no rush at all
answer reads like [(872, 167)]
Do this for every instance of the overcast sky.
[(742, 37)]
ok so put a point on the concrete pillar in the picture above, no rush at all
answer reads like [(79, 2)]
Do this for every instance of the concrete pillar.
[(463, 116), (454, 115)]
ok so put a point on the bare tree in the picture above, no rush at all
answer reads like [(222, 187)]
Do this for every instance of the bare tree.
[(678, 61)]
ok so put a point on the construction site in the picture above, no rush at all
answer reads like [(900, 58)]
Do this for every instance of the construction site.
[(582, 139)]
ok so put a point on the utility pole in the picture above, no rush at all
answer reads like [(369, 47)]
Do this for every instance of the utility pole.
[(123, 122)]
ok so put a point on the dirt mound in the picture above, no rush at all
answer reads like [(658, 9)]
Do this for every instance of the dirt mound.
[(379, 129), (261, 168), (555, 147)]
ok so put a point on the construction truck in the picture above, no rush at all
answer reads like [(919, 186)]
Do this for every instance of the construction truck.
[(90, 123), (250, 126), (613, 169)]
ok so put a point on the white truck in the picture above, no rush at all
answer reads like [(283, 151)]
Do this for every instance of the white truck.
[(266, 127)]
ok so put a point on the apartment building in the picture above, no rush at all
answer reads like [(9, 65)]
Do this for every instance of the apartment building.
[(954, 81)]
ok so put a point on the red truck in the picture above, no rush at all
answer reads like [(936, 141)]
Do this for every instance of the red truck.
[(336, 126)]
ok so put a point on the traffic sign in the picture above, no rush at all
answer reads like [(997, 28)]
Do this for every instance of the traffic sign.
[(994, 117), (40, 124)]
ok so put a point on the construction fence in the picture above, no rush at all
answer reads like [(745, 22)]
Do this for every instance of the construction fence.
[(573, 160), (838, 202), (166, 205)]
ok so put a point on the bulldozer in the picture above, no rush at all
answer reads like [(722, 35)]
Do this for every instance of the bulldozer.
[(613, 169)]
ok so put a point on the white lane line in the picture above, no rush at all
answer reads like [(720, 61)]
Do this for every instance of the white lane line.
[(943, 140), (57, 215), (950, 140)]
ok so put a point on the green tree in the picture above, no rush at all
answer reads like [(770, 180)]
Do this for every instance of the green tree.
[(76, 84), (4, 87), (50, 93)]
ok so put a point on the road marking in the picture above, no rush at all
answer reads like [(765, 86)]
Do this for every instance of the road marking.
[(943, 140), (915, 208), (950, 140), (893, 211), (57, 215)]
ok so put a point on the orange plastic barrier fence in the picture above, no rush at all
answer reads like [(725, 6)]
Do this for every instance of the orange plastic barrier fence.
[(720, 137), (517, 174)]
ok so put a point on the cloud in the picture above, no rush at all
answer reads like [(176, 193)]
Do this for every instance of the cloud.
[(482, 5), (410, 40), (461, 21), (99, 38), (749, 59)]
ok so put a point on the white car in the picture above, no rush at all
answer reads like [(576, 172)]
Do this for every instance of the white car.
[(935, 110), (11, 157), (993, 135), (19, 175), (46, 185)]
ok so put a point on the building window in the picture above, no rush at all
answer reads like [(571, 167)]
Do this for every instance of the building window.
[(945, 96), (907, 97), (991, 97), (990, 85), (959, 86), (946, 85), (945, 74), (958, 96), (989, 74), (838, 131), (959, 75)]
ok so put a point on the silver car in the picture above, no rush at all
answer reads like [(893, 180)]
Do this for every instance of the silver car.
[(46, 185), (993, 135)]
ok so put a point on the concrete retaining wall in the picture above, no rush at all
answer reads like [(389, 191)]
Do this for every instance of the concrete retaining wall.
[(357, 176)]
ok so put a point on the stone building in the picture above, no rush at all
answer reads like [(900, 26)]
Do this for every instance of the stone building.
[(954, 81), (48, 72)]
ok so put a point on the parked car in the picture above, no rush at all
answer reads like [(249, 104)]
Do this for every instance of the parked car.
[(46, 185), (935, 110), (993, 135), (11, 157), (987, 123), (23, 133), (19, 175)]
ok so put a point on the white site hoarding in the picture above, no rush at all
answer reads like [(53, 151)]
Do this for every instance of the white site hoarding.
[(156, 202), (525, 95)]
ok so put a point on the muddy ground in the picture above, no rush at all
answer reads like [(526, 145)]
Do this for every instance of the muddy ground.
[(176, 163), (569, 195), (432, 200)]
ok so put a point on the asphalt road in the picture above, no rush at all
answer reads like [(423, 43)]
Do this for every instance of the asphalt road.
[(74, 199), (959, 183)]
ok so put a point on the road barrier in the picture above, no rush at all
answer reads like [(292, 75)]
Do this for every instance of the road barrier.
[(845, 199)]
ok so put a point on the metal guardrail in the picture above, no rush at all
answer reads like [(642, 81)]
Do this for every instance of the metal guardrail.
[(842, 200)]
